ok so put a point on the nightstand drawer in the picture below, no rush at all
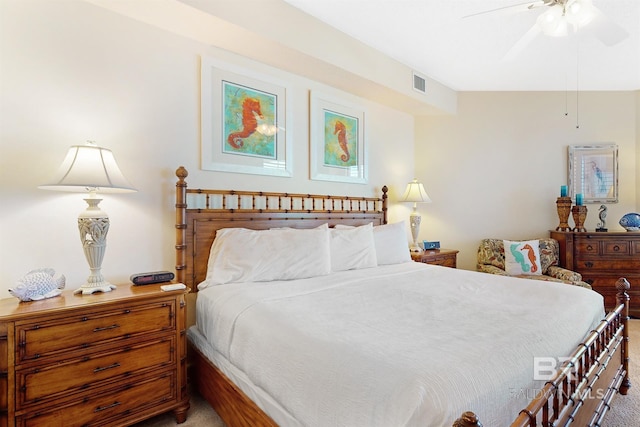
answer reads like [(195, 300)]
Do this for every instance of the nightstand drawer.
[(36, 340), (444, 261), (129, 397), (442, 257), (61, 379)]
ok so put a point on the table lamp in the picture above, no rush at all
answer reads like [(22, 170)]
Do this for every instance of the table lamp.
[(92, 169), (415, 193)]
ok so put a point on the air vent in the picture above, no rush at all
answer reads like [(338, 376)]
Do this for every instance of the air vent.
[(419, 83)]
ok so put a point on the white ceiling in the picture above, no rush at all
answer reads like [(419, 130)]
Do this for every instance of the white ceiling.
[(438, 39)]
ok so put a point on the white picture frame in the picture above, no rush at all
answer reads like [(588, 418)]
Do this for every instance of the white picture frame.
[(593, 172), (245, 121), (338, 150)]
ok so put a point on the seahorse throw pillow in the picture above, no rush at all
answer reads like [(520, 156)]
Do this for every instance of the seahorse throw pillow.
[(522, 257)]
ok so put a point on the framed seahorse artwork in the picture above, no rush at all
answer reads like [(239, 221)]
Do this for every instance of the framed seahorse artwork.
[(593, 172), (338, 151), (244, 121), (244, 109)]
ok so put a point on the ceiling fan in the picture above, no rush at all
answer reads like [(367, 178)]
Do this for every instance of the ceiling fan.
[(559, 17)]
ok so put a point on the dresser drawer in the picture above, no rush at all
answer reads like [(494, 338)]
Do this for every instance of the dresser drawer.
[(584, 264), (602, 258), (109, 407), (606, 247), (586, 247), (61, 379), (110, 360), (40, 339), (610, 301)]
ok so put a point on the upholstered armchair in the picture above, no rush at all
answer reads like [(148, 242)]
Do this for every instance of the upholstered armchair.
[(491, 259)]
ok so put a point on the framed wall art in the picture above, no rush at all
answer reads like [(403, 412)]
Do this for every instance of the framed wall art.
[(244, 123), (593, 172), (338, 151)]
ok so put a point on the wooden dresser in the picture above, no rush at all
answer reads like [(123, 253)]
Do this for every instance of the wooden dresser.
[(105, 359), (602, 258)]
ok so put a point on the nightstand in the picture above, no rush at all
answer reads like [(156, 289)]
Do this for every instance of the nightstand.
[(113, 358), (444, 257)]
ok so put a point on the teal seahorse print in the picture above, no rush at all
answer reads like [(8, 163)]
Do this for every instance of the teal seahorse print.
[(519, 257)]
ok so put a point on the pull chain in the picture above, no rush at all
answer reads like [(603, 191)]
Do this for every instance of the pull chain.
[(577, 85), (566, 95)]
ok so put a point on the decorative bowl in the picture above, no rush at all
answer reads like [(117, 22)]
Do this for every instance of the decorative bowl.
[(630, 222)]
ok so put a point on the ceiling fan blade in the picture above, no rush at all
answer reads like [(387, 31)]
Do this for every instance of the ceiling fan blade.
[(522, 43), (607, 31), (529, 5)]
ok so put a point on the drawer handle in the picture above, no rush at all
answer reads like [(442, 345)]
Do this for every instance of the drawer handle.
[(589, 247), (115, 365), (102, 408), (588, 264), (106, 328), (616, 248)]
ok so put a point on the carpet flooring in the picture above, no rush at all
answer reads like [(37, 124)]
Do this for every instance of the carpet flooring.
[(625, 410)]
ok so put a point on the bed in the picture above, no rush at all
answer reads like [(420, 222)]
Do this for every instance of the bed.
[(419, 345)]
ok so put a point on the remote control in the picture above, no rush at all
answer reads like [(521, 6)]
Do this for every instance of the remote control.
[(173, 287)]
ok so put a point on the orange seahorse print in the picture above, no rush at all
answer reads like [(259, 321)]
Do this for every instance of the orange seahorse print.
[(250, 107), (341, 130), (532, 257)]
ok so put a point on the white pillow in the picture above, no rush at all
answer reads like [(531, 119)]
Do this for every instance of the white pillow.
[(243, 255), (390, 240), (392, 245), (522, 257), (352, 248)]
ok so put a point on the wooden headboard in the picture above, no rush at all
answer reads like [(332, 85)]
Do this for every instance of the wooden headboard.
[(199, 213)]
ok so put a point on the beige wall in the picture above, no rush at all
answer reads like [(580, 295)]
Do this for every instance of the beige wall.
[(637, 209), (72, 71), (495, 169)]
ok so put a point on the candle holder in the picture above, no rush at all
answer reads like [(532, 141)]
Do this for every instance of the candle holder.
[(564, 208), (579, 216)]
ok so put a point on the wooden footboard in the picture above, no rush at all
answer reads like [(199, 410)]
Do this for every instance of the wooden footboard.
[(587, 381)]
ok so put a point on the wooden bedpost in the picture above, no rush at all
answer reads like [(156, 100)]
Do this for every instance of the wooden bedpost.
[(467, 419), (622, 297), (384, 204), (181, 225)]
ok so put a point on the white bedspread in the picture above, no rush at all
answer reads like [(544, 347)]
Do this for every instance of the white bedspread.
[(377, 347)]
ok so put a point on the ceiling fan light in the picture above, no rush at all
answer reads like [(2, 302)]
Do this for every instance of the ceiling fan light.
[(579, 12), (553, 22)]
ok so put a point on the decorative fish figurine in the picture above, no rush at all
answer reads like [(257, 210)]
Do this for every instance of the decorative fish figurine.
[(630, 222), (38, 284)]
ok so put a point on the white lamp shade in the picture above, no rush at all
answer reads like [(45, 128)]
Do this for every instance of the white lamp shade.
[(89, 167), (415, 193)]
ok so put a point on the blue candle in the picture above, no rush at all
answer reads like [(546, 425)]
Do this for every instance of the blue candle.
[(563, 191), (579, 199)]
